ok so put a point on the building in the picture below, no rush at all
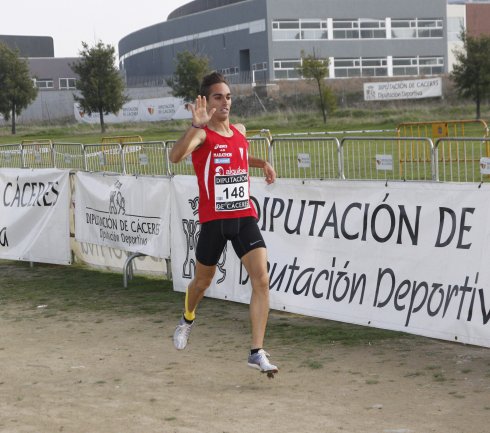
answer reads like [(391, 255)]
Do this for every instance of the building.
[(47, 72), (30, 46), (262, 40)]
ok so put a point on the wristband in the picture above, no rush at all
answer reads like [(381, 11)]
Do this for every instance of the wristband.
[(197, 127)]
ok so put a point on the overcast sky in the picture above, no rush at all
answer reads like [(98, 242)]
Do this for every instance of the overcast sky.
[(69, 23)]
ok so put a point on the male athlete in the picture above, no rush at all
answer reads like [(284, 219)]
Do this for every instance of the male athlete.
[(221, 160)]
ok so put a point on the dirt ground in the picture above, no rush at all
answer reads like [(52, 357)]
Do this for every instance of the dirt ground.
[(94, 373)]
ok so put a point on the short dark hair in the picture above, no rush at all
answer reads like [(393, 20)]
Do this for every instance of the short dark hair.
[(209, 80)]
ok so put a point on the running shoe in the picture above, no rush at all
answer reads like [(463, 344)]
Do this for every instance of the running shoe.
[(181, 334), (261, 362)]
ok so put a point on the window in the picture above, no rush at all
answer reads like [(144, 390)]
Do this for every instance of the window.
[(360, 67), (372, 29), (420, 65), (431, 65), (416, 28), (403, 66), (345, 29), (286, 69), (44, 83), (299, 29), (259, 66), (362, 28), (345, 68), (67, 83), (229, 71)]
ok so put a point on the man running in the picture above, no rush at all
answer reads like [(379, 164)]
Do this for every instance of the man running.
[(221, 160)]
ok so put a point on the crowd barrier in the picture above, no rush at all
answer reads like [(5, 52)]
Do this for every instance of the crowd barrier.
[(449, 159)]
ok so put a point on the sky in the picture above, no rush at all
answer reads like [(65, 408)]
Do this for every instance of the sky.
[(70, 23)]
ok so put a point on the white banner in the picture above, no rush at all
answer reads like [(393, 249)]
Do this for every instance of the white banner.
[(411, 257), (139, 110), (34, 215), (124, 212), (408, 89)]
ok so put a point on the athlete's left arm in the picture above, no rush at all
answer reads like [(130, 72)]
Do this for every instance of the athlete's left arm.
[(269, 172)]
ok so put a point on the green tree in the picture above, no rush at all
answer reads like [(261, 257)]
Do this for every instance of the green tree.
[(471, 71), (16, 88), (314, 68), (100, 84), (189, 70)]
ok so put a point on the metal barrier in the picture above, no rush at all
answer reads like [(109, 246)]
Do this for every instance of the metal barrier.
[(384, 158), (11, 155), (145, 158), (69, 155), (460, 159), (182, 167), (37, 154), (259, 133), (103, 157), (452, 159), (443, 128), (259, 147), (306, 158)]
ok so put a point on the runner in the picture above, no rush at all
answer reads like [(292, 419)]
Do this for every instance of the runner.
[(221, 160)]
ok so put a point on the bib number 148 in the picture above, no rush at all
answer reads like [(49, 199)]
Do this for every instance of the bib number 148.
[(234, 192)]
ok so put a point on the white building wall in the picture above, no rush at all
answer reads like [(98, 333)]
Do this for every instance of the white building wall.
[(456, 20)]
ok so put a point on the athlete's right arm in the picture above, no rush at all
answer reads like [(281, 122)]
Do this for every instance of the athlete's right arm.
[(186, 144)]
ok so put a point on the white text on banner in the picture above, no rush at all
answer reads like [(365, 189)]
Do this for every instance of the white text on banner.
[(125, 212), (34, 215)]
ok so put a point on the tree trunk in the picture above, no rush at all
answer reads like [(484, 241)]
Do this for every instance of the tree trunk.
[(101, 117), (322, 102), (13, 120)]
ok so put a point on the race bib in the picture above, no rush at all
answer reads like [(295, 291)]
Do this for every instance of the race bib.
[(231, 192)]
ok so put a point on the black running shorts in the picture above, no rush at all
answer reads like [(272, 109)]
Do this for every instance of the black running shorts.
[(243, 233)]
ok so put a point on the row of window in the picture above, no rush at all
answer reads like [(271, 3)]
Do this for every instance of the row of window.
[(287, 69), (234, 70), (358, 28), (48, 83)]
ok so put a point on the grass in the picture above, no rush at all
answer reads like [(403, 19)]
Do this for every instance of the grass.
[(60, 290), (372, 116)]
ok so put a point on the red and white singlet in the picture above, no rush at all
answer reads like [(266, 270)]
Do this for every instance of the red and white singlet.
[(221, 166)]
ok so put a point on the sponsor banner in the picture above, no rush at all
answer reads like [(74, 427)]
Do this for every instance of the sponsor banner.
[(113, 259), (410, 257), (408, 89), (140, 110), (124, 212), (34, 215)]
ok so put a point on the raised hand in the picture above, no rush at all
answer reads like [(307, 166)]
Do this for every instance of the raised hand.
[(200, 114)]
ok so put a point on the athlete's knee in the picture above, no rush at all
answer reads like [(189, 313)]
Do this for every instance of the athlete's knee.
[(260, 281), (201, 283)]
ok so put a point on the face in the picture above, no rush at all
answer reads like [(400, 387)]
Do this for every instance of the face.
[(220, 98)]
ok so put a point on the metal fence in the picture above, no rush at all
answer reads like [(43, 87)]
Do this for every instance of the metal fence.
[(451, 159), (463, 159), (317, 158), (69, 155), (183, 167), (146, 158), (404, 158), (11, 156)]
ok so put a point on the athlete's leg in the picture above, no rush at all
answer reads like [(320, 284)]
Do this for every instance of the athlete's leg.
[(194, 295), (255, 262), (198, 286)]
